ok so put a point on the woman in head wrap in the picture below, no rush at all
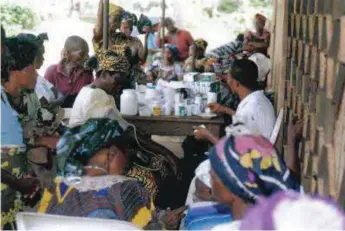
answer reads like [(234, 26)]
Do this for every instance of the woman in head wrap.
[(17, 73), (92, 161), (197, 60), (168, 69), (292, 211), (259, 40), (115, 13), (154, 167), (246, 167), (96, 100)]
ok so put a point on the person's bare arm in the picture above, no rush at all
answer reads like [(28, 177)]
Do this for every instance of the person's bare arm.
[(217, 108), (98, 30), (295, 129), (144, 50)]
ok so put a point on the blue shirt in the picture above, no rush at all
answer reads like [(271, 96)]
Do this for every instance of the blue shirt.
[(151, 41), (204, 216), (11, 130)]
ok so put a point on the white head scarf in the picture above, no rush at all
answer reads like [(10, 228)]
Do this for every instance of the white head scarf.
[(263, 63)]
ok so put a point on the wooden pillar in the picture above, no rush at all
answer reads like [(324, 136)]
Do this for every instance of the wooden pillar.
[(105, 23)]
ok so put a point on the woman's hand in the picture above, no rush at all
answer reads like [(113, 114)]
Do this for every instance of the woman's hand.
[(28, 186), (216, 108), (202, 133), (171, 219)]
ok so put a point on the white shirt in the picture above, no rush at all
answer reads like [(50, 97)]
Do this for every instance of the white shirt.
[(258, 113), (94, 103)]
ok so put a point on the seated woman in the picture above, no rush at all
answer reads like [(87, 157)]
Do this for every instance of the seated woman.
[(92, 159), (203, 180), (197, 60), (17, 73), (257, 41), (169, 70), (155, 166), (245, 167), (69, 75)]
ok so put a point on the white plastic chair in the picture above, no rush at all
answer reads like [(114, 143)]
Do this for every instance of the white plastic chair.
[(36, 221)]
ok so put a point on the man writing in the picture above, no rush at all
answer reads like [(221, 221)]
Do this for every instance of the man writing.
[(255, 109), (181, 38)]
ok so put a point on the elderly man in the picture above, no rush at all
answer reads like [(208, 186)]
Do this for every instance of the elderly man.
[(181, 38)]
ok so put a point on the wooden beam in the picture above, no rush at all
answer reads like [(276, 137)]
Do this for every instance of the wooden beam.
[(105, 24)]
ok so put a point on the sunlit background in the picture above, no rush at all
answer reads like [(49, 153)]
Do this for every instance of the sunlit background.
[(217, 21)]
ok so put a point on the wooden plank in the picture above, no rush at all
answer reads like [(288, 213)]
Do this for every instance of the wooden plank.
[(298, 21), (338, 8), (339, 86), (315, 67), (306, 169), (307, 58), (305, 121), (312, 122), (299, 106), (294, 49), (319, 141), (312, 95), (305, 88), (311, 7), (341, 54), (323, 69), (332, 191), (312, 25), (334, 42), (305, 28), (329, 31), (322, 33), (300, 59), (330, 78)]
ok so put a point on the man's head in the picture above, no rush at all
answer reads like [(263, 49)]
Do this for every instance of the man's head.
[(170, 25), (76, 50), (260, 22), (242, 76), (22, 70), (39, 41)]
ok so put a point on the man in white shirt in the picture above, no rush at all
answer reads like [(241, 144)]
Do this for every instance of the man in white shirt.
[(255, 110)]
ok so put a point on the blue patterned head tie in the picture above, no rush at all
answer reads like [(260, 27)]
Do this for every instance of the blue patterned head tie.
[(82, 142), (249, 166), (173, 49)]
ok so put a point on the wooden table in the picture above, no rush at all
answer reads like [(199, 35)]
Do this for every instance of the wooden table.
[(173, 125)]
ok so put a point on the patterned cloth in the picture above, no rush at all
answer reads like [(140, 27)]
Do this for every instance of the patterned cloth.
[(84, 141), (114, 61), (292, 211), (173, 49), (201, 44), (249, 167), (144, 21), (107, 197)]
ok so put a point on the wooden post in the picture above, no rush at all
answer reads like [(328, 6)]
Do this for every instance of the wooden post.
[(162, 32), (105, 23)]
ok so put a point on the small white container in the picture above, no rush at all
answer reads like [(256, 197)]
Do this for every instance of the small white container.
[(129, 102), (211, 97)]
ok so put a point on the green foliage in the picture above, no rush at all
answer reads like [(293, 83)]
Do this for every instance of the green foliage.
[(260, 3), (16, 18), (229, 6), (208, 11)]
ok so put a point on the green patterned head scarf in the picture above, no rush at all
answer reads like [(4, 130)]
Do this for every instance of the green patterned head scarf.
[(115, 60), (82, 142)]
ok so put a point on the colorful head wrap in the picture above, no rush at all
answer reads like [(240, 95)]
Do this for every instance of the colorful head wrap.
[(249, 166), (115, 10), (114, 60), (173, 49), (263, 63), (201, 44), (292, 211), (129, 17), (82, 142), (144, 21)]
